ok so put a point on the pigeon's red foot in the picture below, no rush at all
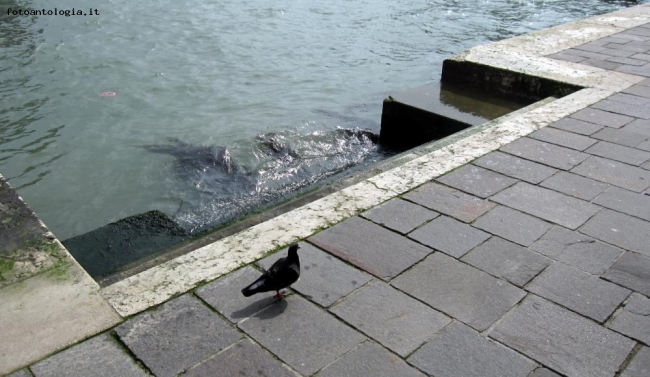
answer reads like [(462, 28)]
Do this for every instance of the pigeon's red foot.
[(279, 295)]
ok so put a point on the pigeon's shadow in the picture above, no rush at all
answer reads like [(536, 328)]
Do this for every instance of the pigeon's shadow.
[(266, 308)]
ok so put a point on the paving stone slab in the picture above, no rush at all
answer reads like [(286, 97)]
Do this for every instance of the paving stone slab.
[(515, 167), (21, 373), (224, 295), (634, 319), (476, 180), (639, 126), (639, 90), (577, 250), (564, 341), (300, 334), (449, 236), (632, 270), (317, 269), (512, 225), (370, 247), (602, 63), (625, 201), (369, 359), (630, 98), (637, 111), (640, 364), (645, 146), (241, 359), (563, 138), (461, 351), (400, 215), (634, 70), (575, 185), (543, 372), (452, 202), (402, 324), (506, 260), (547, 204), (101, 355), (620, 153), (603, 118), (462, 291), (621, 230), (615, 173), (620, 136), (179, 334), (579, 291), (577, 126), (545, 153)]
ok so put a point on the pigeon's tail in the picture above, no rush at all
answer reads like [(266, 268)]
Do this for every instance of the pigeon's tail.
[(256, 287)]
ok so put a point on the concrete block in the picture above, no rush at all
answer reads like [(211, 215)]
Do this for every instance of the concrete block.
[(634, 319), (545, 153), (370, 247), (632, 270), (506, 260), (449, 236), (615, 173), (400, 215), (399, 325), (179, 334), (460, 351), (512, 225), (515, 167), (287, 329), (562, 340), (459, 290), (546, 204), (476, 180), (621, 230), (449, 201)]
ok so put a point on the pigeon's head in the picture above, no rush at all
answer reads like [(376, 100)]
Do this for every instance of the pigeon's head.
[(293, 249)]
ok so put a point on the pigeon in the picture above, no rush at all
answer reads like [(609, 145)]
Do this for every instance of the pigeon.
[(283, 273)]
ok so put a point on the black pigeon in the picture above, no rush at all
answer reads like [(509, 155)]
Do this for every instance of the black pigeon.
[(283, 273)]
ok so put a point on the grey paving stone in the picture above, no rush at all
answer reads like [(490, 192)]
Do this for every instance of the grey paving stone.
[(630, 98), (224, 295), (370, 247), (100, 355), (637, 111), (317, 271), (635, 70), (563, 138), (639, 90), (632, 270), (369, 359), (620, 136), (617, 53), (562, 340), (634, 319), (506, 260), (300, 334), (644, 146), (543, 372), (179, 334), (476, 180), (575, 185), (566, 56), (640, 365), (545, 153), (577, 250), (625, 201), (399, 325), (577, 126), (461, 351), (547, 204), (515, 167), (449, 236), (621, 230), (241, 359), (579, 291), (462, 291), (602, 63), (586, 54), (639, 126), (615, 173), (400, 215), (454, 203), (21, 373), (603, 118), (512, 225), (619, 153)]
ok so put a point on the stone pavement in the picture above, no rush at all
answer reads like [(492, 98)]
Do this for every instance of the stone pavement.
[(532, 260)]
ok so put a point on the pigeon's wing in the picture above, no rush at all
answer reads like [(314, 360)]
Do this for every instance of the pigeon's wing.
[(279, 265)]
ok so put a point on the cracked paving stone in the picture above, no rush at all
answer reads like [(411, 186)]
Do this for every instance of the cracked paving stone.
[(562, 340), (476, 180), (575, 185), (287, 329), (459, 290), (618, 229), (632, 270), (640, 365), (101, 355), (579, 291), (515, 167), (370, 247), (634, 319), (545, 153), (512, 225), (398, 326), (451, 202), (179, 334), (400, 215), (460, 351), (449, 236), (616, 173)]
